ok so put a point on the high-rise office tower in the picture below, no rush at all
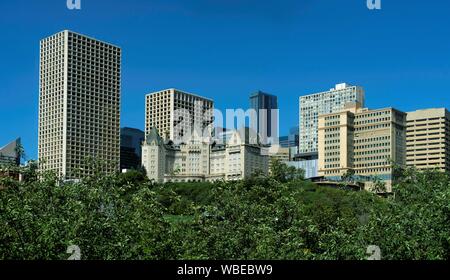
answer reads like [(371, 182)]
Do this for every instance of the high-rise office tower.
[(367, 142), (179, 116), (311, 106), (263, 104), (428, 139), (79, 105)]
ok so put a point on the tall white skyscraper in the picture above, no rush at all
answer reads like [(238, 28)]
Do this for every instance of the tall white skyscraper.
[(175, 114), (311, 106), (79, 104)]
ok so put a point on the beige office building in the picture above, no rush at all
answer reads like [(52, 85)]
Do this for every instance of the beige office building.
[(178, 115), (428, 139), (79, 104), (278, 153), (368, 142)]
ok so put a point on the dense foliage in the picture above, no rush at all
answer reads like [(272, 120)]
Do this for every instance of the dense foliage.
[(280, 216)]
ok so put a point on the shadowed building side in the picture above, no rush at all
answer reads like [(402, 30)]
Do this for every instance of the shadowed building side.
[(131, 140)]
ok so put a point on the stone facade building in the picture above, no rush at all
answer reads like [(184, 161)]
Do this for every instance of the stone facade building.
[(198, 161)]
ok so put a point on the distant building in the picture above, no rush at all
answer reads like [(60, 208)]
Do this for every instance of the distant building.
[(366, 142), (199, 161), (428, 139), (314, 105), (222, 135), (279, 153), (292, 140), (308, 162), (9, 153), (311, 167), (177, 114), (79, 105), (263, 104), (131, 140)]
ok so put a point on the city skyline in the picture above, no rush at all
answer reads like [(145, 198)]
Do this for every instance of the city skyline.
[(389, 75)]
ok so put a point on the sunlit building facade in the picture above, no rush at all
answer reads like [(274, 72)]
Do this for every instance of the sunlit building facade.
[(79, 105), (367, 143), (314, 105), (428, 139)]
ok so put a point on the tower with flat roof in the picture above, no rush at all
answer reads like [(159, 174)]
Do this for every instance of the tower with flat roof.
[(79, 105), (266, 106), (428, 139), (178, 115)]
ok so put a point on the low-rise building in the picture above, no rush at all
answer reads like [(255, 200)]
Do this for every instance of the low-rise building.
[(276, 152), (308, 162), (9, 159), (198, 161), (9, 154), (310, 167)]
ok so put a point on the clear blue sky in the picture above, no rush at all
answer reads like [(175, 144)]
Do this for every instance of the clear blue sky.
[(226, 49)]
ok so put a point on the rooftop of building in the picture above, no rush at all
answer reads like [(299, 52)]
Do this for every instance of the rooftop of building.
[(337, 87), (181, 91), (153, 136), (259, 92), (131, 129), (357, 109), (85, 36), (442, 109)]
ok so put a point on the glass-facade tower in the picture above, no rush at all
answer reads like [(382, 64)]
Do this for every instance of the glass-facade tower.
[(263, 101)]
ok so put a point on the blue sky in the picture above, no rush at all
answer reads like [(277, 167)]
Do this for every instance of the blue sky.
[(226, 49)]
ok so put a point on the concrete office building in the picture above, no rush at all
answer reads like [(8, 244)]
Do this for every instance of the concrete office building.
[(264, 104), (199, 161), (314, 105), (428, 139), (368, 142), (179, 115), (276, 152), (131, 140), (79, 104)]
